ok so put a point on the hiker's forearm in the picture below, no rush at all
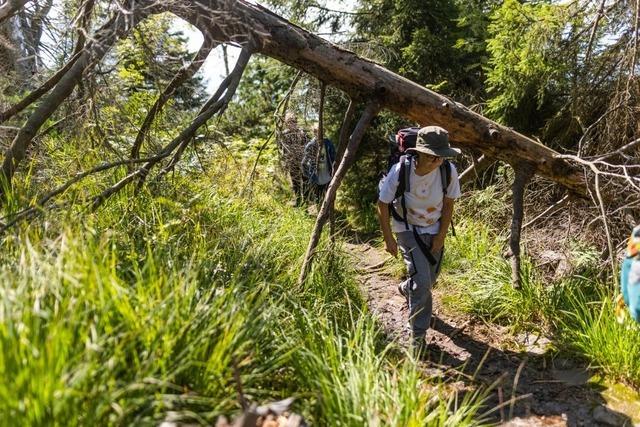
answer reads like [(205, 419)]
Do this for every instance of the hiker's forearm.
[(447, 214), (383, 219)]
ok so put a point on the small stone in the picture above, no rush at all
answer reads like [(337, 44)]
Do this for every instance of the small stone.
[(604, 415)]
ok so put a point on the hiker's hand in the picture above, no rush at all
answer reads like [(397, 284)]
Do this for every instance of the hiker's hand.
[(391, 246), (437, 244)]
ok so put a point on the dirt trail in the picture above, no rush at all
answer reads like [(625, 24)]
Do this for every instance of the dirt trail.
[(549, 391)]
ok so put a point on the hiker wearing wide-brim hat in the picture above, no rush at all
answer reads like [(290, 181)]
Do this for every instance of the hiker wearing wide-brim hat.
[(420, 191), (434, 140)]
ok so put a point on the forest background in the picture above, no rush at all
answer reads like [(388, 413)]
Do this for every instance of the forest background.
[(132, 304)]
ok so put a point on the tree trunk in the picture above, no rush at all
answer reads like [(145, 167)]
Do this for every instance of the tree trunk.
[(10, 7), (239, 22), (524, 171), (282, 40)]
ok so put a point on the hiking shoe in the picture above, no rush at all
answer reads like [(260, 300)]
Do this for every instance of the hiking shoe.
[(402, 288), (419, 348)]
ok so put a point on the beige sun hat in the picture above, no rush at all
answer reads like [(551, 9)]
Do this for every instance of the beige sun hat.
[(434, 140)]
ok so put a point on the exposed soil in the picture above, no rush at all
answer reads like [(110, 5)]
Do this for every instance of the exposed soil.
[(468, 354)]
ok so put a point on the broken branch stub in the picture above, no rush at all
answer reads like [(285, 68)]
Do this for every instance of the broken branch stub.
[(524, 171)]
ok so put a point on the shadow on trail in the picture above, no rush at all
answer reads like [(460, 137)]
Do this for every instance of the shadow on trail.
[(534, 387)]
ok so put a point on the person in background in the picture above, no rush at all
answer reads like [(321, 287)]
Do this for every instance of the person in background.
[(317, 166), (630, 275), (291, 146), (429, 209)]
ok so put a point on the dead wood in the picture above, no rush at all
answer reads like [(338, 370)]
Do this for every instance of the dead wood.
[(369, 113), (342, 145), (40, 204), (278, 38), (118, 26), (524, 171), (185, 135), (473, 171), (181, 76), (216, 104), (10, 8), (37, 93)]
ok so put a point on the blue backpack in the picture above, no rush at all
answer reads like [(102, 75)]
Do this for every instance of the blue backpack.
[(630, 275)]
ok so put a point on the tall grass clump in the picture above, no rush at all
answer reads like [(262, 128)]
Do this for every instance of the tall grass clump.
[(357, 381), (169, 301), (589, 327), (480, 279)]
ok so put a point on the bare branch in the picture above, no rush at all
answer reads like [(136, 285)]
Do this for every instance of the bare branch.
[(186, 134), (42, 201), (369, 113), (181, 76), (217, 106), (477, 167), (620, 150), (10, 8), (594, 30), (344, 130), (116, 27), (37, 93), (547, 212)]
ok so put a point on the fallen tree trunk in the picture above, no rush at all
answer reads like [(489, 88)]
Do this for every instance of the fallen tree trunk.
[(238, 21)]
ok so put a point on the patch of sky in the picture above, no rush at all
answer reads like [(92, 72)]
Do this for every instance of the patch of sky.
[(214, 71)]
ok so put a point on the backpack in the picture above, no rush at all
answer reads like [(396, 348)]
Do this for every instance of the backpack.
[(404, 139)]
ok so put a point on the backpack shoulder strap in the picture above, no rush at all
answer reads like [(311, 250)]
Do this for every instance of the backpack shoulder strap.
[(445, 175), (404, 185)]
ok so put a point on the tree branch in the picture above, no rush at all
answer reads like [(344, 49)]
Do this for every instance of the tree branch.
[(524, 172), (42, 201), (181, 76), (105, 37), (37, 93), (184, 136), (217, 106), (370, 111), (10, 8)]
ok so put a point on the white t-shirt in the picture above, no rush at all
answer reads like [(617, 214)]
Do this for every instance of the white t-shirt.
[(324, 176), (424, 199)]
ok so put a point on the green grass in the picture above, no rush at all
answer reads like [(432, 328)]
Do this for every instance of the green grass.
[(590, 329), (577, 311), (158, 301)]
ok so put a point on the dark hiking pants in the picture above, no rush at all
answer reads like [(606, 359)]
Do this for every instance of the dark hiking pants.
[(422, 276)]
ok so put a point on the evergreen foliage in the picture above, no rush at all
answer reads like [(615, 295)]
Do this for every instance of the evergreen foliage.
[(151, 57)]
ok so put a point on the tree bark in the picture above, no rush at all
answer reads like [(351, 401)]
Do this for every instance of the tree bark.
[(292, 45), (10, 8), (524, 171)]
